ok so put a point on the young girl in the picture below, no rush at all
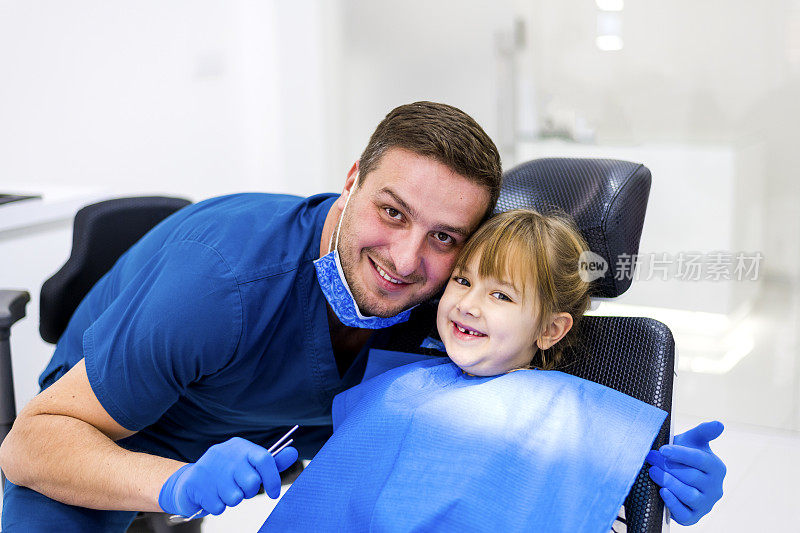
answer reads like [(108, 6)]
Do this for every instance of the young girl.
[(516, 291), (483, 440)]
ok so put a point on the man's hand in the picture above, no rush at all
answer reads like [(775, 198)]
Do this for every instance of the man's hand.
[(225, 475), (689, 473)]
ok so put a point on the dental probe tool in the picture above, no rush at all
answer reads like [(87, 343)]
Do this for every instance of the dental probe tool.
[(179, 519), (284, 445), (272, 448)]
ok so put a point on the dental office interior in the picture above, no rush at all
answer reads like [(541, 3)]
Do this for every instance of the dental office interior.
[(203, 98)]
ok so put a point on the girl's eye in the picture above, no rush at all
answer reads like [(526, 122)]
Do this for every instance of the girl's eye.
[(393, 213), (500, 296), (443, 237), (461, 281)]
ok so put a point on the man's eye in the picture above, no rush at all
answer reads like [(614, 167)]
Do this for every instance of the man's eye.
[(461, 281), (443, 237), (500, 296), (393, 213)]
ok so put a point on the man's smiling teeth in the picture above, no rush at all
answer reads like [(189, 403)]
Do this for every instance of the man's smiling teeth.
[(385, 276), (464, 330)]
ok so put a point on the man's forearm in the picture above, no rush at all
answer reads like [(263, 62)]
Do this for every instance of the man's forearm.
[(73, 462)]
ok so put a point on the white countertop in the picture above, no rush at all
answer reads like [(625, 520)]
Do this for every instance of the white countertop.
[(56, 203)]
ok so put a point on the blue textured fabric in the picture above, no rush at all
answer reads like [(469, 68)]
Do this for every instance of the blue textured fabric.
[(425, 447), (334, 286), (184, 333), (380, 361), (433, 344), (211, 326)]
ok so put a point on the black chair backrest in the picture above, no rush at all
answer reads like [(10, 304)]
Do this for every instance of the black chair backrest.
[(608, 199), (634, 355), (102, 232)]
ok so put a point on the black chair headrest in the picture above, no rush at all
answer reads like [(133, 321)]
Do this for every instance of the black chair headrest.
[(606, 197)]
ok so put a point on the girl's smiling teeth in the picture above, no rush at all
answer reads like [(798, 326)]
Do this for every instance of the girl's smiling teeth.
[(468, 331)]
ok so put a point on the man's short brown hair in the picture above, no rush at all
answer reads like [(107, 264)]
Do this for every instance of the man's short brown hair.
[(443, 133)]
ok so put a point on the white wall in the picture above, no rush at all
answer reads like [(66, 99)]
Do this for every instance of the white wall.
[(710, 72), (206, 97), (192, 98), (308, 50), (689, 71), (400, 52), (189, 97), (210, 96)]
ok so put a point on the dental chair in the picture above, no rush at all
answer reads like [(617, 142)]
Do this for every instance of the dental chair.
[(607, 198)]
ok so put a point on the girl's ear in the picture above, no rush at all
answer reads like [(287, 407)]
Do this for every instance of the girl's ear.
[(559, 325)]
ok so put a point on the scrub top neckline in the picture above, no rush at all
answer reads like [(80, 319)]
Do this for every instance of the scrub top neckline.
[(321, 347)]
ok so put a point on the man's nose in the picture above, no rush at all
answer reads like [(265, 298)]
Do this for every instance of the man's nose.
[(407, 254)]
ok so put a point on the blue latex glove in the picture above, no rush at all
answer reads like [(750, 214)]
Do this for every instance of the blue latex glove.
[(225, 475), (689, 473)]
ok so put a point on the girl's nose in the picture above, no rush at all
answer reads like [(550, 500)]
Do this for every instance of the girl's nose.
[(468, 305)]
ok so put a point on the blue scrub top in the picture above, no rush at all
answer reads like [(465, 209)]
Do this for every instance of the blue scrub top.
[(213, 326)]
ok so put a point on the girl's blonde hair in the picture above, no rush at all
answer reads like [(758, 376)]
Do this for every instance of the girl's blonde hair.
[(540, 253)]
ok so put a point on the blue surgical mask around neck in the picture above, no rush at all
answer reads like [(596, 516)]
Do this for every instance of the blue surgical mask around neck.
[(334, 286)]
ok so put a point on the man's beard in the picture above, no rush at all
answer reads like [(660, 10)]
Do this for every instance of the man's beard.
[(364, 299)]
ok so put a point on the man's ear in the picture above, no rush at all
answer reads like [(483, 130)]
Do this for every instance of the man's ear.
[(559, 325), (349, 183)]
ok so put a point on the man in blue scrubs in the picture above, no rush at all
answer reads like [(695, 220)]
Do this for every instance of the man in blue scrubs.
[(217, 331)]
